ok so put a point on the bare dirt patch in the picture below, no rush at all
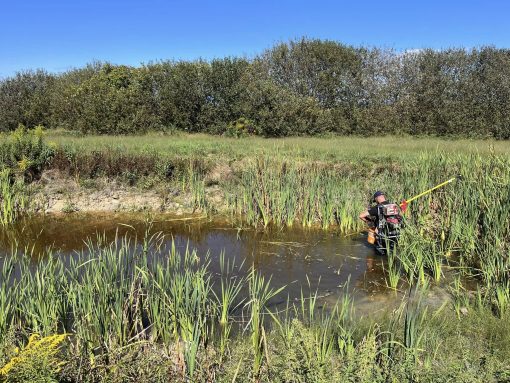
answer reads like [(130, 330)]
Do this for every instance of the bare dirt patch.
[(55, 193)]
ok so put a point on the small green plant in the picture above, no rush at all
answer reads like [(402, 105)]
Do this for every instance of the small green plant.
[(69, 207)]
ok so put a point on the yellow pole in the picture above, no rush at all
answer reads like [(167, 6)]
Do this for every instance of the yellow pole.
[(431, 189)]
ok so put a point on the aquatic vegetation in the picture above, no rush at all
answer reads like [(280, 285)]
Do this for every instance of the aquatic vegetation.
[(413, 327), (228, 301), (281, 192), (6, 297), (13, 198), (118, 296), (260, 292), (502, 298)]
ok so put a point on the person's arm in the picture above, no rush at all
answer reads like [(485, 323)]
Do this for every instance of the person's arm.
[(365, 216)]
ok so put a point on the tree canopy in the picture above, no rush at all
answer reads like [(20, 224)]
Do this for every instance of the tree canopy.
[(303, 87)]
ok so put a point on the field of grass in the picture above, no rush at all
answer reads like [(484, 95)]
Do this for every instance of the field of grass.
[(332, 148)]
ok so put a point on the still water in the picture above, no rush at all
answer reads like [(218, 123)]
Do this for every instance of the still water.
[(293, 257)]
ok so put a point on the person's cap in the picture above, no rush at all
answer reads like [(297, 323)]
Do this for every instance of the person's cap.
[(378, 193)]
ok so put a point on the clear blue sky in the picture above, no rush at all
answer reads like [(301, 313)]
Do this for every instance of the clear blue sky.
[(58, 35)]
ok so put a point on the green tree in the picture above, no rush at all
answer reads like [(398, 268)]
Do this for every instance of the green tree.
[(24, 99), (115, 100)]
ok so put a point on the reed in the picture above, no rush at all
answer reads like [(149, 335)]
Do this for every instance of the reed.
[(413, 328), (281, 192), (460, 298), (13, 198), (227, 300), (502, 298), (393, 271), (260, 292), (6, 296)]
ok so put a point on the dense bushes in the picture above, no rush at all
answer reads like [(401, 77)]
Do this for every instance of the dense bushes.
[(115, 100), (24, 99), (303, 87)]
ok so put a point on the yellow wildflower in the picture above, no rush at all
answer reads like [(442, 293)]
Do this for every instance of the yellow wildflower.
[(24, 164), (37, 348)]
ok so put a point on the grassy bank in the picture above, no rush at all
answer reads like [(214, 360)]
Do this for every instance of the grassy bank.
[(281, 182)]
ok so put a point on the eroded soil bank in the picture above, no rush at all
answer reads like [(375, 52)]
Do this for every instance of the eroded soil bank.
[(55, 193)]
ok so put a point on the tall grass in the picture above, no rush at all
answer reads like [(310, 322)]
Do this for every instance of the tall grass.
[(281, 192), (260, 292), (13, 198)]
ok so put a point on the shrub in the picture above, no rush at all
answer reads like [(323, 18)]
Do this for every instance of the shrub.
[(25, 152), (25, 99), (242, 127), (303, 87)]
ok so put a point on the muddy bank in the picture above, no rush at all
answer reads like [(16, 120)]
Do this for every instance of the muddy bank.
[(55, 193)]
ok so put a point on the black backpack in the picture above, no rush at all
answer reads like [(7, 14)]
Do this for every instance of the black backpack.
[(390, 218)]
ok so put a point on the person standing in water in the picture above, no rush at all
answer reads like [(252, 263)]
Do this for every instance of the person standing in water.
[(385, 221), (371, 215)]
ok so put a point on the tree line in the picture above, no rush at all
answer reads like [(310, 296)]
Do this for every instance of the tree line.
[(302, 87)]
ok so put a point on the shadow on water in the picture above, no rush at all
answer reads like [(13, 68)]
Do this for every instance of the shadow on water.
[(294, 257)]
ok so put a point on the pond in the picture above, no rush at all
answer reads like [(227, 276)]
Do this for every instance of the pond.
[(296, 257)]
